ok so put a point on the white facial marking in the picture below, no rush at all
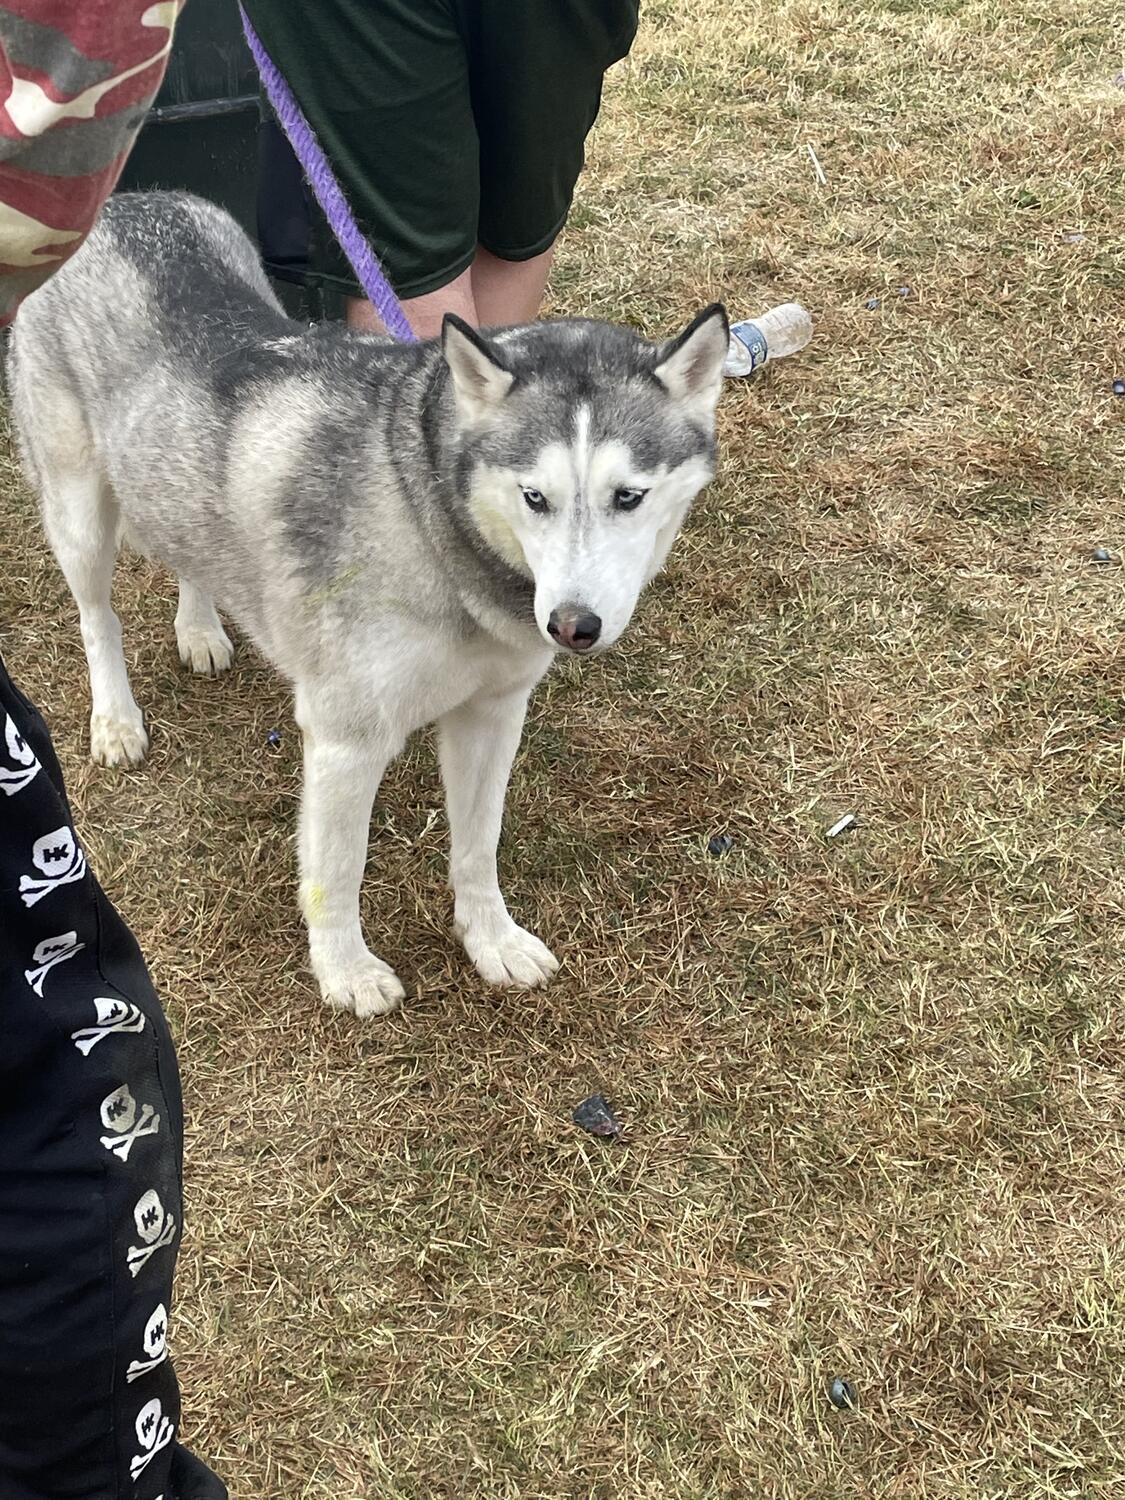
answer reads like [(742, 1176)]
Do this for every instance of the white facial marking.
[(581, 446)]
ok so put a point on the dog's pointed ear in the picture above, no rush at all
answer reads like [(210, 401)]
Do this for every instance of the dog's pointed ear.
[(690, 368), (480, 379)]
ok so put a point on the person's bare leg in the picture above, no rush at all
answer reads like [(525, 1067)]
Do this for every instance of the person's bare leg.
[(492, 293), (509, 291), (423, 313)]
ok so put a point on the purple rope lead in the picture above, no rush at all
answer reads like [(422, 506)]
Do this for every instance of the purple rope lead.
[(329, 194)]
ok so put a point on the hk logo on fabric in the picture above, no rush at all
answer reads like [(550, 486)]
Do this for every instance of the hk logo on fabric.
[(48, 953), (155, 1229), (120, 1114), (113, 1016), (155, 1346), (24, 768), (154, 1432), (59, 860)]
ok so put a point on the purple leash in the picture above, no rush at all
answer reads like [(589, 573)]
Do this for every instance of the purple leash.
[(329, 194)]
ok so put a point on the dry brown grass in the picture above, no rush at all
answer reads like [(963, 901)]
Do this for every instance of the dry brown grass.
[(873, 1087)]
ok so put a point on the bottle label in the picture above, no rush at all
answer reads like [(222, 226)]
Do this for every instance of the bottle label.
[(754, 341)]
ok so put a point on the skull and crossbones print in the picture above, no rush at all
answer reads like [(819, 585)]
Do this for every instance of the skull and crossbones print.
[(155, 1228), (119, 1113), (113, 1016), (155, 1345), (48, 953), (25, 766), (59, 859), (154, 1432)]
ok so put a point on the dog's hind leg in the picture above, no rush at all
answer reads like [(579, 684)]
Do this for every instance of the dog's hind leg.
[(203, 643), (81, 518), (344, 765), (477, 744)]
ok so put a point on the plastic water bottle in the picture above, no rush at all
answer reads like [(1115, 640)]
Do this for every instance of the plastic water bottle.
[(781, 331)]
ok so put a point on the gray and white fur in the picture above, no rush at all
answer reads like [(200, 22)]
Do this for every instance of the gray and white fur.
[(410, 534)]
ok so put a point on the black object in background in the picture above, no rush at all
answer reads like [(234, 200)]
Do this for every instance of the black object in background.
[(206, 133)]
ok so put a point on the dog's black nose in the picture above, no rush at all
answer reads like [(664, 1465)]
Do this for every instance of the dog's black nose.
[(574, 627)]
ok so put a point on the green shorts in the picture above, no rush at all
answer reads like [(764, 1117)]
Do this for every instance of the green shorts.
[(450, 123)]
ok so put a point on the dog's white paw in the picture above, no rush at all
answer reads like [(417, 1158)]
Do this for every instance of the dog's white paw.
[(367, 988), (509, 956), (207, 652), (117, 742)]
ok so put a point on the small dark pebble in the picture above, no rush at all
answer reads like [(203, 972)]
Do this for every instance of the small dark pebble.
[(1100, 554), (1119, 387), (595, 1116), (720, 844), (273, 739), (841, 1393), (873, 304)]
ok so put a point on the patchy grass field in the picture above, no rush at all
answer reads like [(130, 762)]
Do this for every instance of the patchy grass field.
[(874, 1091)]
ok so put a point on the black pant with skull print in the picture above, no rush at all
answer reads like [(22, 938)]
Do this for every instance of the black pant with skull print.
[(91, 1134)]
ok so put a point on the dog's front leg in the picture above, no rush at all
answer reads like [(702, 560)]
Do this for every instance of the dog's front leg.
[(343, 769), (477, 744)]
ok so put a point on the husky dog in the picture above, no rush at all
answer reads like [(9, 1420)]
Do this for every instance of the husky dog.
[(410, 534)]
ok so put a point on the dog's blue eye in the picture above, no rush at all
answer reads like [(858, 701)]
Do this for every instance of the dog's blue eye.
[(536, 500), (628, 499)]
